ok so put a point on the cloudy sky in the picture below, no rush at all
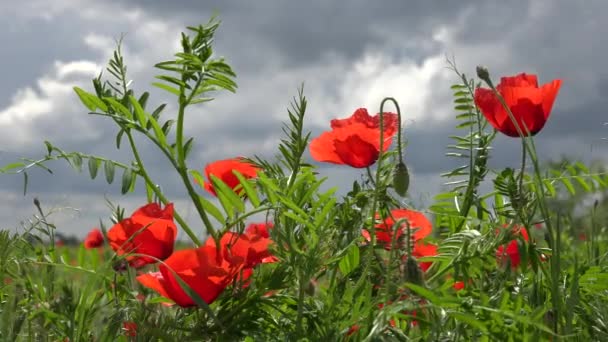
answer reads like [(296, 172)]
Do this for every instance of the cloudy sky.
[(349, 55)]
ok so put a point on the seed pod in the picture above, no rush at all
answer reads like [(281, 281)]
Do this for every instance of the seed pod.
[(401, 179)]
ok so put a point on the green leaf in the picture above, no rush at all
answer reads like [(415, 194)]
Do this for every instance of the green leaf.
[(157, 111), (25, 179), (350, 261), (93, 167), (143, 99), (76, 162), (158, 132), (223, 190), (470, 320), (90, 101), (173, 80), (568, 184), (119, 107), (12, 166), (139, 112), (423, 292), (188, 147), (128, 177), (212, 210), (119, 138), (167, 126), (108, 167), (167, 88), (249, 190)]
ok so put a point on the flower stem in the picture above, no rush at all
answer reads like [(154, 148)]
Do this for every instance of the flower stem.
[(157, 192), (182, 169), (523, 165)]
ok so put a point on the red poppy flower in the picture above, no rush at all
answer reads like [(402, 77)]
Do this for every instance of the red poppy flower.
[(203, 269), (458, 285), (529, 104), (390, 123), (222, 169), (418, 223), (354, 141), (149, 231), (130, 328), (94, 239), (248, 249), (511, 251), (258, 231), (421, 250)]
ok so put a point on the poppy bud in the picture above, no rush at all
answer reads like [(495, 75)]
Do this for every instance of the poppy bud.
[(483, 73), (413, 272), (311, 287), (401, 179)]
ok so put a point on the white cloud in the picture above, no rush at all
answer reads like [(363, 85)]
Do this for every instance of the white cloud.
[(52, 99)]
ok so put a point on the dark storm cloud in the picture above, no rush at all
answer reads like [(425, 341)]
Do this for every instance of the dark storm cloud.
[(303, 32)]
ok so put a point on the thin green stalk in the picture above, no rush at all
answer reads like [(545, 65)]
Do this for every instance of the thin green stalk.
[(540, 188), (157, 192), (372, 229), (300, 306), (51, 232), (523, 165), (182, 169)]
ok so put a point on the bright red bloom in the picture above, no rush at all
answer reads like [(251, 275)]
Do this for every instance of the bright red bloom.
[(222, 169), (421, 250), (529, 104), (421, 227), (149, 231), (208, 270), (130, 328), (203, 269), (257, 231), (94, 239), (245, 249), (458, 285), (354, 141), (511, 251)]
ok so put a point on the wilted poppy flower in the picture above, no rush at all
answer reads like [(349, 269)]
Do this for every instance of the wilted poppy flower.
[(354, 141), (529, 104), (510, 253), (150, 231), (203, 269), (222, 169), (418, 223), (94, 239)]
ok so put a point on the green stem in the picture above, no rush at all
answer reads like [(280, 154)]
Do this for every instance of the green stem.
[(182, 169), (398, 131), (157, 192), (372, 228), (523, 166), (528, 144)]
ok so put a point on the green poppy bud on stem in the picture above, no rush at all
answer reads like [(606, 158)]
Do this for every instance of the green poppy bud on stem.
[(483, 73), (401, 179), (413, 272)]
